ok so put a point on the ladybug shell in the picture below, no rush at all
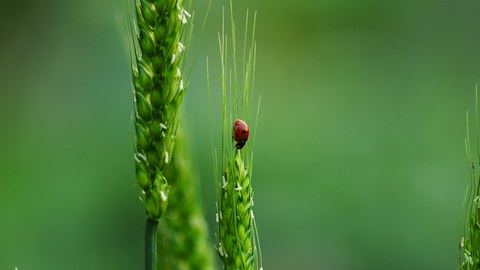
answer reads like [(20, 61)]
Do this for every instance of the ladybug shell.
[(240, 133)]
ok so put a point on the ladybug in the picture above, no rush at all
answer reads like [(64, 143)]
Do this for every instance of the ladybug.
[(240, 133)]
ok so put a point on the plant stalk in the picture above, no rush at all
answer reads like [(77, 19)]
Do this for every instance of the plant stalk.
[(151, 244)]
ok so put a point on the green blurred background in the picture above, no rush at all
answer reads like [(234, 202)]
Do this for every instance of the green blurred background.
[(360, 158)]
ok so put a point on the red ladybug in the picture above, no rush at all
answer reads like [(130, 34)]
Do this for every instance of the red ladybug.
[(240, 133)]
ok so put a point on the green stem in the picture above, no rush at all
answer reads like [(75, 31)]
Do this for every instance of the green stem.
[(151, 244)]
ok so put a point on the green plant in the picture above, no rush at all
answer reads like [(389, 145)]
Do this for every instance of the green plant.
[(469, 257), (183, 231), (158, 90), (238, 245)]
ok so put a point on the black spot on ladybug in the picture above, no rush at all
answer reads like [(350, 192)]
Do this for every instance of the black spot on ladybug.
[(244, 131)]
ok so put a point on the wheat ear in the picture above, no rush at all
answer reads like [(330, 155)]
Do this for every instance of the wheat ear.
[(183, 231), (238, 245), (158, 91), (469, 257)]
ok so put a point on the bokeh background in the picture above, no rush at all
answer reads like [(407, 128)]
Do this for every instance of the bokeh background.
[(360, 159)]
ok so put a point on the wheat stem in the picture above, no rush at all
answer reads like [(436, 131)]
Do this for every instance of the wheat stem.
[(151, 244)]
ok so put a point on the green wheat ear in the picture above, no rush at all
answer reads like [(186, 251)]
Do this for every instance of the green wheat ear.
[(183, 230), (158, 90), (236, 231), (238, 245), (469, 257)]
